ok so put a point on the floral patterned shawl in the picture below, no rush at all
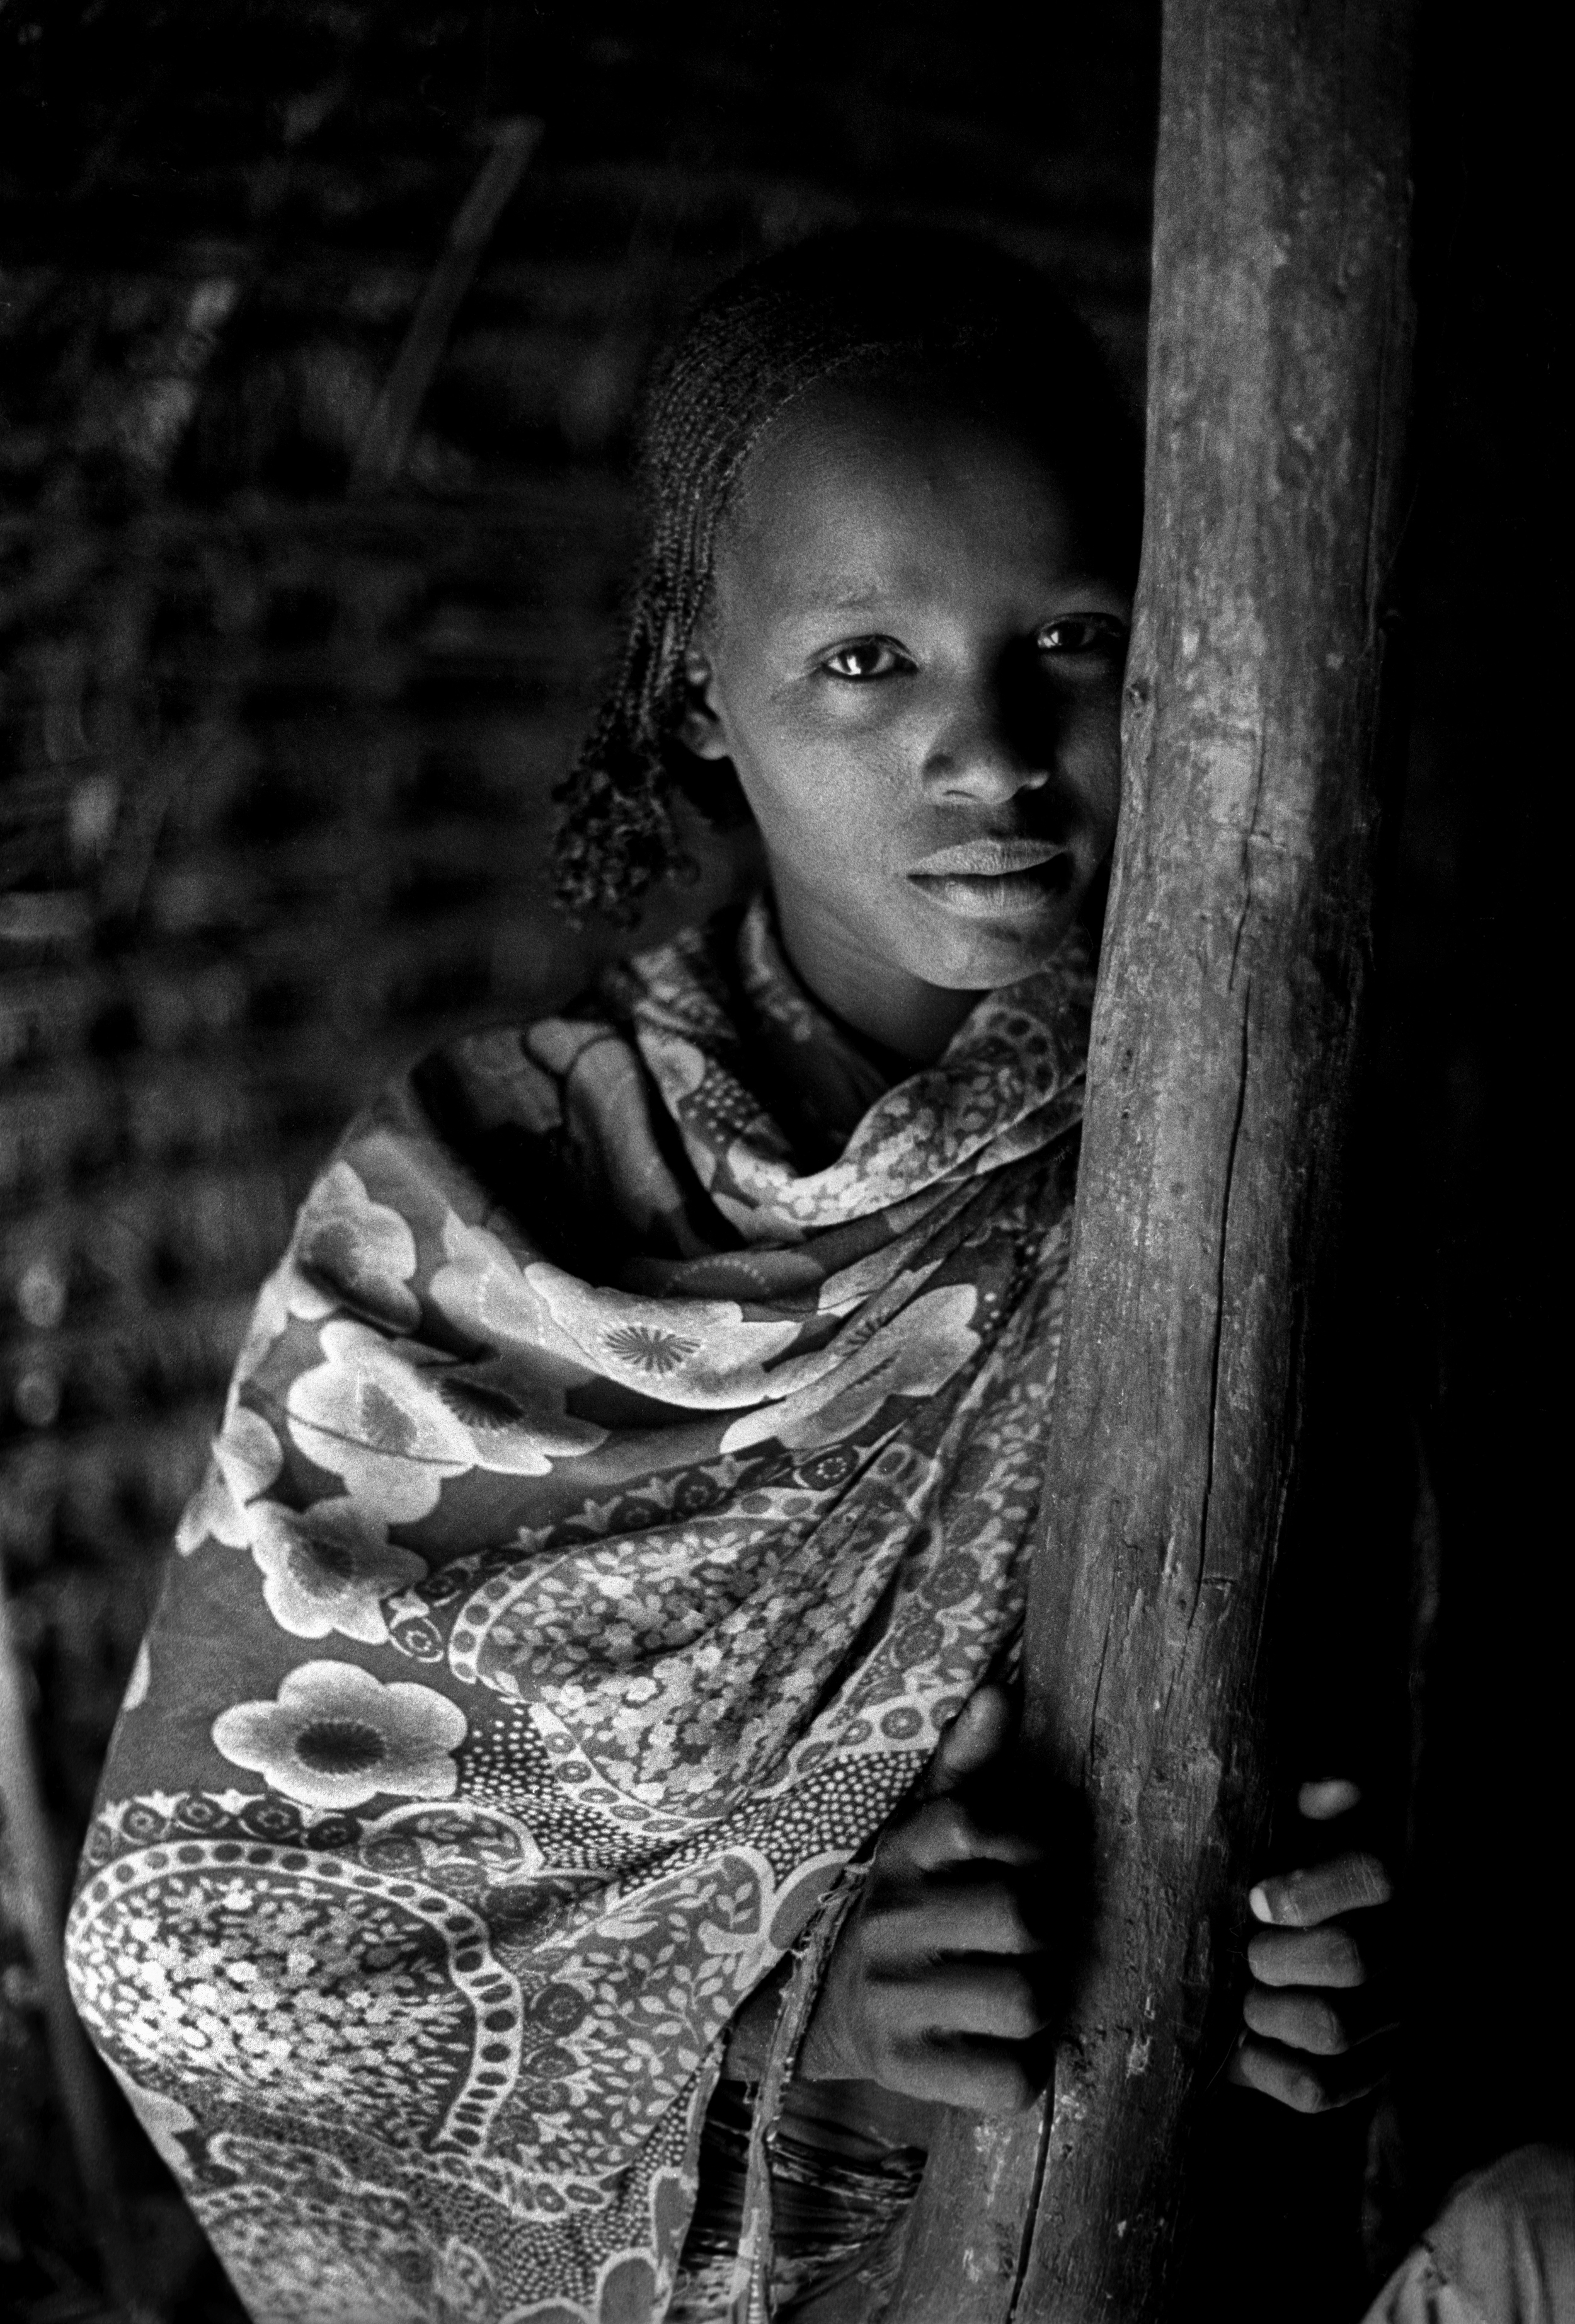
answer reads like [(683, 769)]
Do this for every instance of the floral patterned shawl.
[(626, 1476)]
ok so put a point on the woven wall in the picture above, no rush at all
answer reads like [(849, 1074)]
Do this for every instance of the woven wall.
[(276, 755)]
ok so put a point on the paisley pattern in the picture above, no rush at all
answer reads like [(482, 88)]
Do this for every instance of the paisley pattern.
[(626, 1476)]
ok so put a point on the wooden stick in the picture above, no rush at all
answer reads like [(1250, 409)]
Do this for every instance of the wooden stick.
[(1228, 1030), (38, 1897), (381, 454)]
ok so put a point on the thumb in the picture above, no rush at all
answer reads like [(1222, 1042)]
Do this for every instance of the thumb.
[(975, 1736)]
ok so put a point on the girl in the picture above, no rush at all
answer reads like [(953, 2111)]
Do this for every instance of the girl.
[(557, 1819)]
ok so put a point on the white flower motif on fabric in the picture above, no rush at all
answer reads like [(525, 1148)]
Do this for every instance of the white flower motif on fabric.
[(702, 1352), (678, 1064), (335, 1737), (249, 1453), (559, 1043), (286, 1295), (373, 1416), (246, 1459), (517, 1425), (649, 1347), (326, 1568), (136, 1686), (915, 1355), (853, 1287), (212, 1514), (497, 1055), (363, 1248), (481, 1289), (162, 2119)]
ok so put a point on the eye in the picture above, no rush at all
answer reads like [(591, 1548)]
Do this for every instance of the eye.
[(1082, 633), (864, 659)]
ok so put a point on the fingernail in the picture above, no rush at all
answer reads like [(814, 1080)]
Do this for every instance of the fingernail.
[(1329, 1797), (1258, 1904)]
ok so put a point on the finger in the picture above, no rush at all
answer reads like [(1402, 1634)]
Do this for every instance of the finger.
[(1299, 2083), (1300, 1900), (980, 2076), (1297, 2019), (1327, 1956), (1314, 2022), (1334, 1796), (973, 1738), (944, 1833), (986, 1917), (995, 2000)]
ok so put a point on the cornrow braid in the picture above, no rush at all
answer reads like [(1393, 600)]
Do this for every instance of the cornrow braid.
[(864, 299)]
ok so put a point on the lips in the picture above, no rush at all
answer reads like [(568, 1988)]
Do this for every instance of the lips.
[(986, 859), (995, 879)]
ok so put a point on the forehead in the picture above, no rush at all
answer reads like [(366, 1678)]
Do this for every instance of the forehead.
[(877, 491)]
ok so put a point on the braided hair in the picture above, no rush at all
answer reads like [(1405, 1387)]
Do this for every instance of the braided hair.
[(856, 301)]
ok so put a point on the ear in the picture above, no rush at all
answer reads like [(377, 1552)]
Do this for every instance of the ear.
[(700, 727)]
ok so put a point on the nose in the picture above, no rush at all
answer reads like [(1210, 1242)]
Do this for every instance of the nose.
[(995, 741)]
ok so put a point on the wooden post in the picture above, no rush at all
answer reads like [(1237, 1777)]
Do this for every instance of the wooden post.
[(1227, 1036)]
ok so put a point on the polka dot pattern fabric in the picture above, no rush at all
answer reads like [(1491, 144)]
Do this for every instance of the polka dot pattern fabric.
[(613, 1505)]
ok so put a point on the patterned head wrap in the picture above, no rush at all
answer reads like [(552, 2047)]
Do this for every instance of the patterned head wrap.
[(863, 301)]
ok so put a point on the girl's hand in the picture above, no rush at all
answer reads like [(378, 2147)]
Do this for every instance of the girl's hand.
[(1317, 2021), (938, 1984)]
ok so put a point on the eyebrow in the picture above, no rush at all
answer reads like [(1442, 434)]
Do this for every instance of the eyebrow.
[(839, 596)]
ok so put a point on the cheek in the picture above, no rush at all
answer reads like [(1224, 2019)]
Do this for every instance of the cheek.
[(837, 793), (1090, 759)]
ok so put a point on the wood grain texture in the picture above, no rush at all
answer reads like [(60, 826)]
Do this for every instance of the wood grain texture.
[(1227, 1040)]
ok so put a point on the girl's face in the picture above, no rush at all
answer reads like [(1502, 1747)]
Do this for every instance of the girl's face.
[(913, 659)]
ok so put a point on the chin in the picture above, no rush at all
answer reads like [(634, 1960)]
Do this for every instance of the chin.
[(971, 959)]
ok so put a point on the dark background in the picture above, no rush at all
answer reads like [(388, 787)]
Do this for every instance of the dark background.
[(274, 770)]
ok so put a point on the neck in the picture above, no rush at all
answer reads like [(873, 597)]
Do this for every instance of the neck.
[(903, 1020)]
